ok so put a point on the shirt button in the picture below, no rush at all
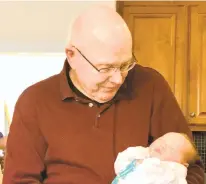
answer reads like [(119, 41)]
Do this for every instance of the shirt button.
[(90, 104)]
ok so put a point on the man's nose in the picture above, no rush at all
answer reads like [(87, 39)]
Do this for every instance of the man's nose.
[(116, 77)]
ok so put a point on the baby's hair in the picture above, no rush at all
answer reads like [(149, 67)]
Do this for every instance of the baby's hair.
[(192, 157)]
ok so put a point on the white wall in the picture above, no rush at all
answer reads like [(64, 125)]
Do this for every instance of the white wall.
[(20, 71), (39, 26)]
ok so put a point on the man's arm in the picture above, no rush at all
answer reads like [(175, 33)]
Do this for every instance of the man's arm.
[(26, 146), (168, 117)]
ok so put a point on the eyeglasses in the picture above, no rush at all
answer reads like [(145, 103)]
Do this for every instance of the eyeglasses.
[(123, 68)]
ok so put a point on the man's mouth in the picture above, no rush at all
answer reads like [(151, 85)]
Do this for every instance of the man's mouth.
[(108, 89)]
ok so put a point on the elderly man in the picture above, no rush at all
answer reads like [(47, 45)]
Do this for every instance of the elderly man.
[(70, 127)]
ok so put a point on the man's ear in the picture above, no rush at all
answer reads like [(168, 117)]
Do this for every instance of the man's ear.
[(69, 51)]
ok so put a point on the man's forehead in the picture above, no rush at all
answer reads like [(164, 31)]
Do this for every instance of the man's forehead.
[(107, 61)]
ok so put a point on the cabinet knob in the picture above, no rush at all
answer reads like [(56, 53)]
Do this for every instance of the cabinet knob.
[(192, 114)]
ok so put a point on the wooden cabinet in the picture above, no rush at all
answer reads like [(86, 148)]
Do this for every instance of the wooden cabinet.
[(171, 38), (197, 67)]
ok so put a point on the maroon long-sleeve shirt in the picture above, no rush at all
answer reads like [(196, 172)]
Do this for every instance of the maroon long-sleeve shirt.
[(57, 136)]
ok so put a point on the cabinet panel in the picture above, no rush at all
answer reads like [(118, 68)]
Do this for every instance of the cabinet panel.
[(160, 42), (197, 72)]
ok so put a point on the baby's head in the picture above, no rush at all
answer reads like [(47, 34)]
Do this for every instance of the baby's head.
[(175, 147)]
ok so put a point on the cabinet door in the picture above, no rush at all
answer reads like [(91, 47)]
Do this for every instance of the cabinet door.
[(159, 39), (197, 70)]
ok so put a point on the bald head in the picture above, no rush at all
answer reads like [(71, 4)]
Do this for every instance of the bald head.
[(101, 27), (99, 41)]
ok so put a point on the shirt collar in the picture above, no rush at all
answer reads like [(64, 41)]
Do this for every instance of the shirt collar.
[(65, 90)]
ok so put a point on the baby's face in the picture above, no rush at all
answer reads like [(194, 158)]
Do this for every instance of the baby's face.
[(170, 147)]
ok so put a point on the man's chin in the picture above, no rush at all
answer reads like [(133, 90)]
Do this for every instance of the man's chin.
[(105, 97)]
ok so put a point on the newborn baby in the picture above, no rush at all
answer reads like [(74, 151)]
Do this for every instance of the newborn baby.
[(165, 161)]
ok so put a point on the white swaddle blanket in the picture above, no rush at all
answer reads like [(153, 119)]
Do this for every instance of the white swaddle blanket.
[(150, 170)]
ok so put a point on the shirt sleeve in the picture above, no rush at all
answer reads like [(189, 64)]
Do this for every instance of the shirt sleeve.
[(26, 146), (168, 117)]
